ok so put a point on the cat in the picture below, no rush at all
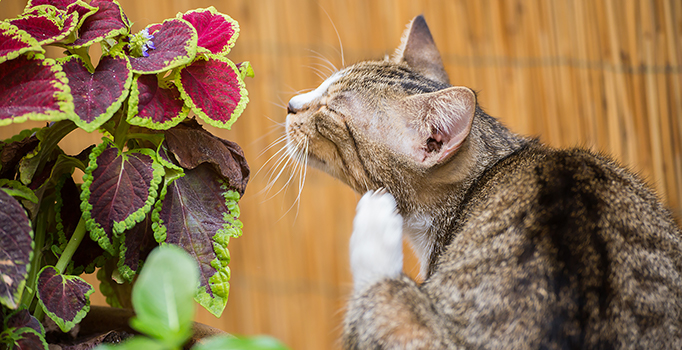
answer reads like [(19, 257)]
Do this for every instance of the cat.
[(521, 246)]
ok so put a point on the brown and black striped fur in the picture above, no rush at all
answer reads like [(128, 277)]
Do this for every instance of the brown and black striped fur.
[(527, 246)]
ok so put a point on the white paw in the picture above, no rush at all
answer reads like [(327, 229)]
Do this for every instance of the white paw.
[(376, 249)]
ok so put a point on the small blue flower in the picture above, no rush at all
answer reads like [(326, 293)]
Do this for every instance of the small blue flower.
[(148, 43)]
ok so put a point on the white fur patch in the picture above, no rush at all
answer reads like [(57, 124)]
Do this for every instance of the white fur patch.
[(376, 250), (299, 101)]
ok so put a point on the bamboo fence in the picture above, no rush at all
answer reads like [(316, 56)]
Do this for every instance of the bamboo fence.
[(603, 74)]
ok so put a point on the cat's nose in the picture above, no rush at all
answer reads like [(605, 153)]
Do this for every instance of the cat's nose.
[(290, 109)]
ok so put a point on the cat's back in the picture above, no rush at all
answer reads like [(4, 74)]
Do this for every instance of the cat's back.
[(562, 248)]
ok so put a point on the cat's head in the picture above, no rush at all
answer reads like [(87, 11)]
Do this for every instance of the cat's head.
[(389, 123)]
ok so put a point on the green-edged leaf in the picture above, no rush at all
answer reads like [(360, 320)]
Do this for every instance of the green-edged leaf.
[(108, 22), (17, 190), (119, 190), (225, 155), (161, 47), (245, 70), (22, 318), (162, 296), (153, 106), (217, 32), (213, 87), (14, 42), (97, 96), (47, 29), (233, 343), (25, 338), (16, 250), (199, 213), (64, 298), (33, 87), (116, 291), (139, 242)]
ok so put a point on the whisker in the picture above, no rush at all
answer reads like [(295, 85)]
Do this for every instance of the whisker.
[(343, 61)]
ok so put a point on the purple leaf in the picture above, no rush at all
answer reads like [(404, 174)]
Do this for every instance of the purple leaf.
[(64, 298), (173, 43), (98, 95), (44, 29), (217, 32), (14, 42), (33, 88), (16, 249), (214, 89), (139, 242), (119, 190), (224, 155), (153, 106), (60, 4), (199, 213), (27, 339), (23, 318), (108, 22)]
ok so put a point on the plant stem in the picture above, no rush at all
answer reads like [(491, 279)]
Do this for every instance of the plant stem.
[(71, 247), (121, 133)]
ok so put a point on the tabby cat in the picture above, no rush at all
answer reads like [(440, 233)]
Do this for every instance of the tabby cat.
[(522, 246)]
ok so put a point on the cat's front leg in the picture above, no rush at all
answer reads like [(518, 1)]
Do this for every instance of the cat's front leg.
[(376, 250)]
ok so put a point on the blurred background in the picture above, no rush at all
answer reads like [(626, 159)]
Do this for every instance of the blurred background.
[(603, 74)]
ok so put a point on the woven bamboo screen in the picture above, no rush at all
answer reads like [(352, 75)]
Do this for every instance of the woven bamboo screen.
[(596, 73)]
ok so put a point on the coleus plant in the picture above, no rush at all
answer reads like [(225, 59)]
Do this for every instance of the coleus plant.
[(157, 177)]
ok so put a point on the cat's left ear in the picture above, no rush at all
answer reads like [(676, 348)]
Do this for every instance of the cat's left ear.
[(418, 49), (442, 120)]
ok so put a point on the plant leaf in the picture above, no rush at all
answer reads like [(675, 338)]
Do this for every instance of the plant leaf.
[(245, 70), (119, 190), (26, 338), (108, 22), (32, 87), (162, 296), (16, 249), (22, 318), (14, 149), (98, 95), (47, 30), (16, 189), (213, 87), (14, 42), (60, 4), (216, 32), (225, 155), (64, 298), (175, 44), (199, 213), (230, 342), (155, 107), (139, 242)]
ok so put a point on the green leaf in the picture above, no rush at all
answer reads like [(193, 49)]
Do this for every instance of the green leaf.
[(232, 343), (17, 190), (162, 296)]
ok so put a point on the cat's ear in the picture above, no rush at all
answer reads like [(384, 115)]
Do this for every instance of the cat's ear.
[(442, 120), (418, 49)]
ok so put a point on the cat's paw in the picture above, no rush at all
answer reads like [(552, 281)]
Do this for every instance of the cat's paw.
[(376, 249)]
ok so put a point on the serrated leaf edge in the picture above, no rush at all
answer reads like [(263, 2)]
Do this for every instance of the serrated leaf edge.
[(133, 111), (7, 28), (63, 96), (177, 61), (20, 288), (65, 325), (230, 43), (243, 101)]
